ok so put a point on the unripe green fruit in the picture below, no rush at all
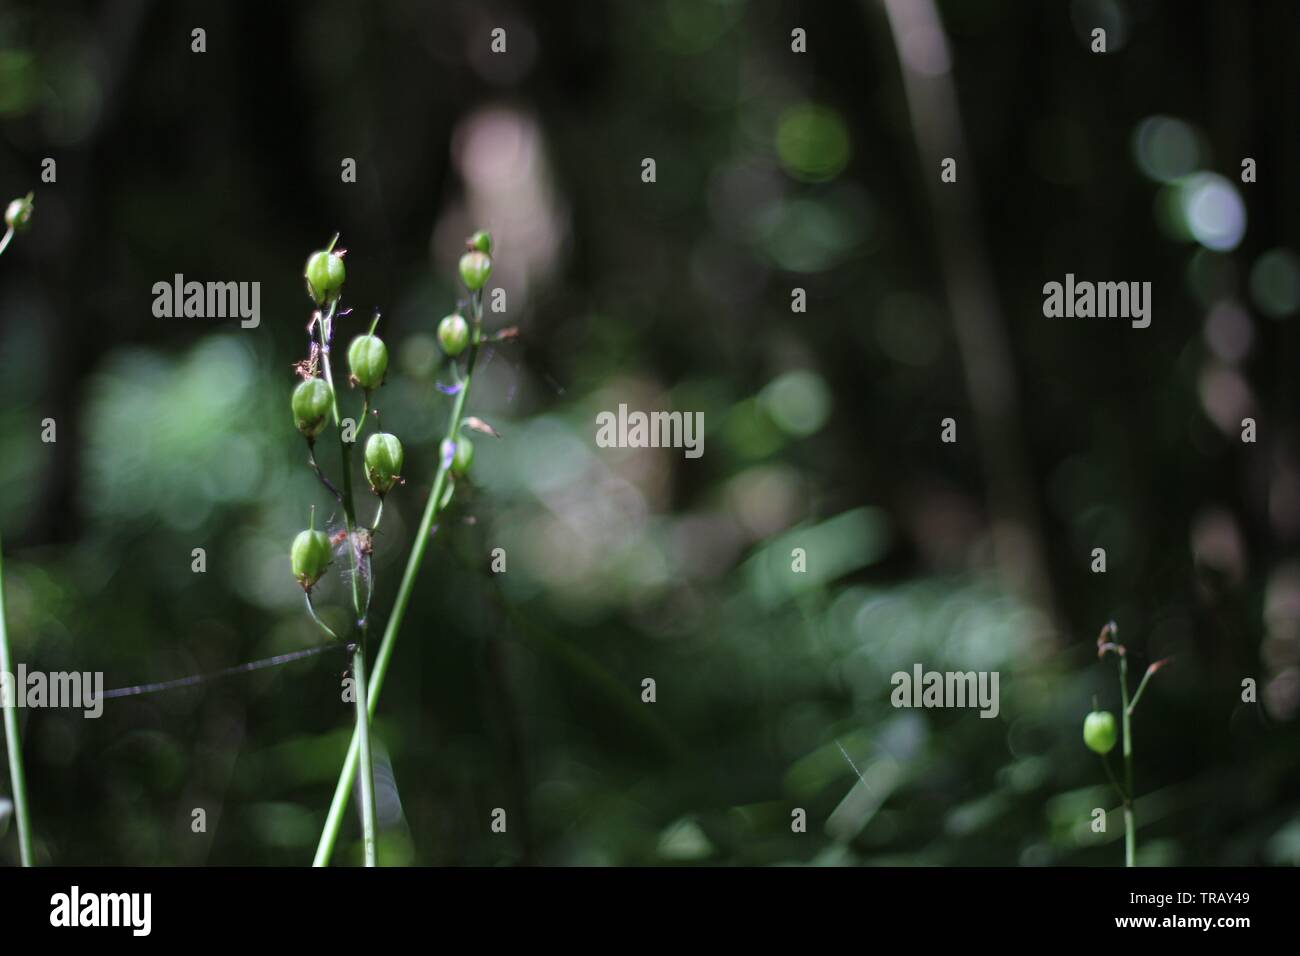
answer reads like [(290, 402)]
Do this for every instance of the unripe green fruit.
[(309, 556), (368, 359), (453, 333), (475, 267), (325, 274), (481, 241), (1099, 731), (311, 402), (462, 458), (18, 214), (383, 461)]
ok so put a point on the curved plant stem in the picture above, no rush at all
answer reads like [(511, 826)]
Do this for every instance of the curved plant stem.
[(362, 733), (311, 609), (1130, 830), (4, 243), (329, 485), (17, 778), (432, 506), (1142, 685)]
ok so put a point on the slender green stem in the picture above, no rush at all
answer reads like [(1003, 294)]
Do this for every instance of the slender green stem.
[(345, 452), (311, 459), (334, 820), (362, 733), (17, 778), (311, 609), (361, 422), (13, 743), (1130, 830), (363, 738), (1115, 783), (1142, 685)]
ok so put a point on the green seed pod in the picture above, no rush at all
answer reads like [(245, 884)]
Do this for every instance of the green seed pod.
[(481, 241), (1099, 731), (475, 267), (309, 556), (368, 359), (463, 456), (325, 274), (18, 214), (311, 402), (453, 333), (383, 461)]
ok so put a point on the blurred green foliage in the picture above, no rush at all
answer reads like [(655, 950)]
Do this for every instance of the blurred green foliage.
[(776, 170)]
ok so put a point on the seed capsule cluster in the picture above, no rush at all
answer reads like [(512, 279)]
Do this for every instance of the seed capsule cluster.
[(314, 402)]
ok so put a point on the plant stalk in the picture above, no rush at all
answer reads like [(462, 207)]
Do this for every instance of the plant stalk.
[(13, 743), (363, 739), (17, 778), (334, 820), (362, 732), (1130, 830)]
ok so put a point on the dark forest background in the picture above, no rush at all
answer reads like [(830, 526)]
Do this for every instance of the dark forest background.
[(775, 170)]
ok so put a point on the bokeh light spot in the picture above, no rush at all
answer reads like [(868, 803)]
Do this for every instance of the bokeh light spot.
[(1213, 211), (798, 402), (812, 142), (1166, 148), (1275, 283)]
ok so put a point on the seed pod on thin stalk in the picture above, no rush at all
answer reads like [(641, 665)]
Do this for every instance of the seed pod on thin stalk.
[(383, 462), (311, 402), (1099, 731), (309, 556), (368, 360), (325, 274), (475, 267), (453, 334), (18, 214)]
